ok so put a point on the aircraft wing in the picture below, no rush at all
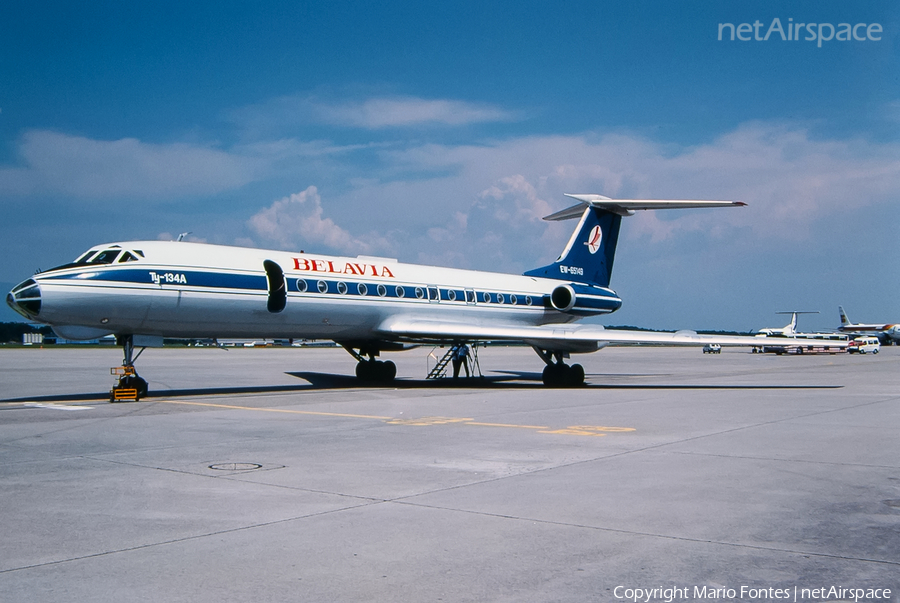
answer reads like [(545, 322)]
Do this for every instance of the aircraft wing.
[(567, 337)]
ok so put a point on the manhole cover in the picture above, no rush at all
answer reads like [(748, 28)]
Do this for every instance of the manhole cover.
[(235, 466)]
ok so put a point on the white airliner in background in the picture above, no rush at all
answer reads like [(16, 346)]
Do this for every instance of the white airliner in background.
[(788, 330), (143, 291), (885, 333), (830, 342)]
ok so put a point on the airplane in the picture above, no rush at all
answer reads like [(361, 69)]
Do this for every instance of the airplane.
[(788, 330), (143, 291), (801, 341), (885, 333)]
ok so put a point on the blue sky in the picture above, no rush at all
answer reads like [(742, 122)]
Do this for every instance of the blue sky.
[(443, 132)]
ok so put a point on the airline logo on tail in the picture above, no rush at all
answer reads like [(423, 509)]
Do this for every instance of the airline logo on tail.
[(594, 239)]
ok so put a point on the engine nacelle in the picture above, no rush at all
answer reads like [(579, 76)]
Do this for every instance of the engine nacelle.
[(584, 300), (563, 298)]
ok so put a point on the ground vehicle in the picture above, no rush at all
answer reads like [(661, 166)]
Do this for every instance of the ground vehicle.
[(712, 348), (864, 344)]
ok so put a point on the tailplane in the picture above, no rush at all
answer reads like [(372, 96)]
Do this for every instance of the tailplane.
[(589, 254)]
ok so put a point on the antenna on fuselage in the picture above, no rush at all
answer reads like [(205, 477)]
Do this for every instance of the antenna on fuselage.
[(182, 235)]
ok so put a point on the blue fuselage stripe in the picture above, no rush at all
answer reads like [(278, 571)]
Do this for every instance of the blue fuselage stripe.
[(601, 301)]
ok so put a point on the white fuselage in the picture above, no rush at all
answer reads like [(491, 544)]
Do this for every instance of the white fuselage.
[(191, 290), (882, 332)]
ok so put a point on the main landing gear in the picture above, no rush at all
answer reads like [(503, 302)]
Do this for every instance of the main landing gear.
[(130, 387), (371, 370), (559, 374)]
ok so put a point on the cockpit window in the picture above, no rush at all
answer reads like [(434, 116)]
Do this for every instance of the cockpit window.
[(107, 256), (101, 256), (82, 259)]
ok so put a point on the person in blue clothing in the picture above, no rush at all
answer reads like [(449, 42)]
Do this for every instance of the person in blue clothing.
[(460, 358)]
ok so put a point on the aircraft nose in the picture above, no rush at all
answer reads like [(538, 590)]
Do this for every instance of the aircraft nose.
[(25, 298)]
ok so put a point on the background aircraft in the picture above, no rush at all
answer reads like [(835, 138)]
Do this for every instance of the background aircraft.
[(886, 333), (788, 330), (143, 291), (800, 341)]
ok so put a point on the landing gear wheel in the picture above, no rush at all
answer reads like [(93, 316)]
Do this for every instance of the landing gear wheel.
[(575, 377), (364, 370), (388, 371), (551, 375), (563, 375), (376, 371)]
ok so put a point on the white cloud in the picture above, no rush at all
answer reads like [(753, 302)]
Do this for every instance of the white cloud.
[(377, 113), (480, 206), (789, 179), (298, 220), (86, 168)]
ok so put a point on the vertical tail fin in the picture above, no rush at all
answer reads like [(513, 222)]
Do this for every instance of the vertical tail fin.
[(844, 320), (589, 254), (588, 257)]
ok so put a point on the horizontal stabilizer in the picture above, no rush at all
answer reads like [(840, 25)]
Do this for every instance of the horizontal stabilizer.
[(627, 207)]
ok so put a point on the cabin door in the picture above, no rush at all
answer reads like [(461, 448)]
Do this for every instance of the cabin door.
[(277, 287)]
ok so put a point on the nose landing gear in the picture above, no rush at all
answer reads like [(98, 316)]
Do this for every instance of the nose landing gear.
[(129, 387)]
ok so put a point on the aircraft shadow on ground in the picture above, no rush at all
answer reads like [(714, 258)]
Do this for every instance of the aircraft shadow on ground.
[(328, 381)]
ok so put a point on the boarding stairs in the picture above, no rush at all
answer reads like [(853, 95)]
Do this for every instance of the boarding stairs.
[(439, 371)]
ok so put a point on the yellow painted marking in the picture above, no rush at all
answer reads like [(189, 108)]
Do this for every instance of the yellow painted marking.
[(580, 430), (283, 410), (589, 430), (507, 425), (428, 421)]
